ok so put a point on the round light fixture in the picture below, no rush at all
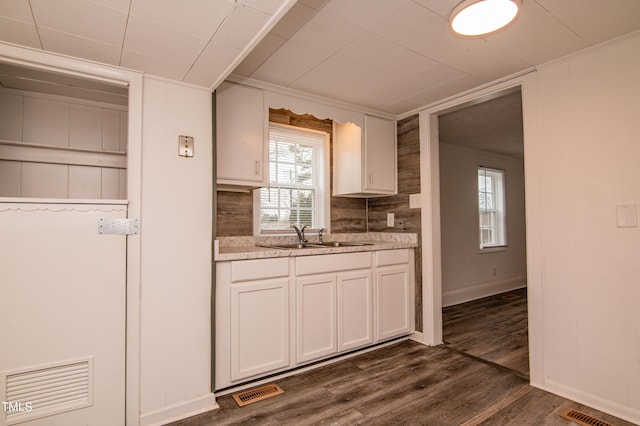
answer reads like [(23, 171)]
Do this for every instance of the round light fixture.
[(474, 18)]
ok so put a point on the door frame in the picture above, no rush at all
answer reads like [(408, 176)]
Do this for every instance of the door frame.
[(430, 212), (59, 64)]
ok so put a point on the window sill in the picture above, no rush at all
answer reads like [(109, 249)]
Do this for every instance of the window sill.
[(495, 249)]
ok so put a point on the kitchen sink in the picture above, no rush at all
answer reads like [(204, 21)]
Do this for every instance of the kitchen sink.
[(291, 246), (344, 244), (296, 246)]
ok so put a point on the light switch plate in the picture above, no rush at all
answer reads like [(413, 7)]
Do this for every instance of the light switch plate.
[(414, 201), (626, 216), (390, 220), (185, 146)]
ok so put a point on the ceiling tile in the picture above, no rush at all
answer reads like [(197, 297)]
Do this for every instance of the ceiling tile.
[(153, 39), (196, 18), (281, 69), (315, 4), (384, 55), (293, 20), (425, 80), (326, 32), (18, 10), (212, 64), (441, 7), (259, 54), (362, 13), (82, 18), (152, 65), (613, 18), (241, 27), (79, 47), (268, 6), (121, 5), (19, 32), (539, 40)]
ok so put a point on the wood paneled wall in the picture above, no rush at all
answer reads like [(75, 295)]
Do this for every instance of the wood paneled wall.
[(406, 219)]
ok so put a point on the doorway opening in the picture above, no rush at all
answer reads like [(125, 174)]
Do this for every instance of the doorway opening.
[(482, 230)]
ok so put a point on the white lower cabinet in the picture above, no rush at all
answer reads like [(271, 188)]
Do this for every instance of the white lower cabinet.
[(276, 314), (394, 294), (316, 317), (355, 310), (334, 313), (259, 327)]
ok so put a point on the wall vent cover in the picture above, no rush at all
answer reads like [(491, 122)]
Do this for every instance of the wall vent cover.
[(44, 391), (257, 394), (582, 419)]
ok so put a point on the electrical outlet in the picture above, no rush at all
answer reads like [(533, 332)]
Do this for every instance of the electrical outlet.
[(185, 146), (390, 220)]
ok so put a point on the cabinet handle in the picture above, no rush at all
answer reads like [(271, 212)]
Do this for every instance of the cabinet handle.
[(257, 167), (371, 178)]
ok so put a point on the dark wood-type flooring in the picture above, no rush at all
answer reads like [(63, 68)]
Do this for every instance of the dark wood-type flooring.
[(493, 328), (405, 383)]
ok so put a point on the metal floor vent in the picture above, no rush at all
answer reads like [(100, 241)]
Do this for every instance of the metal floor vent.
[(256, 394), (582, 419)]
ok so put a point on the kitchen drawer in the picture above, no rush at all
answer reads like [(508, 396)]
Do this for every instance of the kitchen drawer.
[(392, 257), (324, 264), (259, 269)]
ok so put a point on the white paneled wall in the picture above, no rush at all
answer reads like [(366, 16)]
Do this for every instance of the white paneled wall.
[(60, 147), (588, 153)]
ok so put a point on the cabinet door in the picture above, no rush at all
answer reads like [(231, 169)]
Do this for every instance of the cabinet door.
[(259, 327), (355, 310), (380, 155), (240, 142), (393, 298), (316, 317)]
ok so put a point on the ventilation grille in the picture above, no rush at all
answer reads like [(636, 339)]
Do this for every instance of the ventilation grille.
[(49, 390), (582, 419), (257, 394)]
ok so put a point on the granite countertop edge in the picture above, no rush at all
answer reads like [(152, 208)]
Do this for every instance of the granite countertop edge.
[(244, 248)]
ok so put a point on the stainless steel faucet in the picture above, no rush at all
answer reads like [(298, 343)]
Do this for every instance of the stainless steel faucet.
[(300, 232)]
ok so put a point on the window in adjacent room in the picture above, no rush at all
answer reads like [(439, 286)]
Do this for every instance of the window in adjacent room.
[(491, 203), (298, 181)]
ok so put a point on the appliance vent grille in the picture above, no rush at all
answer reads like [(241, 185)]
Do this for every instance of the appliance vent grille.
[(45, 391), (257, 394), (582, 419)]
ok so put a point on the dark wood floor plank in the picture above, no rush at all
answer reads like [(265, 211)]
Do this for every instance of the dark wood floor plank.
[(493, 328)]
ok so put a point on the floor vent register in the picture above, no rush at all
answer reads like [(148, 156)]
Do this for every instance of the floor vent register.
[(582, 419), (256, 394)]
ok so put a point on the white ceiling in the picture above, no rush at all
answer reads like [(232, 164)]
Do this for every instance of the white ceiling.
[(195, 41), (392, 56), (398, 55)]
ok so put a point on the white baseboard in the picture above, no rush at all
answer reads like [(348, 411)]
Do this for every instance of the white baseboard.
[(479, 291), (179, 411), (610, 407)]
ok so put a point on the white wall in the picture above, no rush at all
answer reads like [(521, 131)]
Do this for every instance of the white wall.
[(467, 274), (61, 147), (176, 230), (586, 161)]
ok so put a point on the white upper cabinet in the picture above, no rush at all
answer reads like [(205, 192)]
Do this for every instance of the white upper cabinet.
[(240, 137), (365, 162)]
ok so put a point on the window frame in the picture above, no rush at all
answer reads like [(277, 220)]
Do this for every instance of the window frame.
[(322, 198), (500, 209)]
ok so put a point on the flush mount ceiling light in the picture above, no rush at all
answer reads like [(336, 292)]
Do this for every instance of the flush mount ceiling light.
[(474, 18)]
